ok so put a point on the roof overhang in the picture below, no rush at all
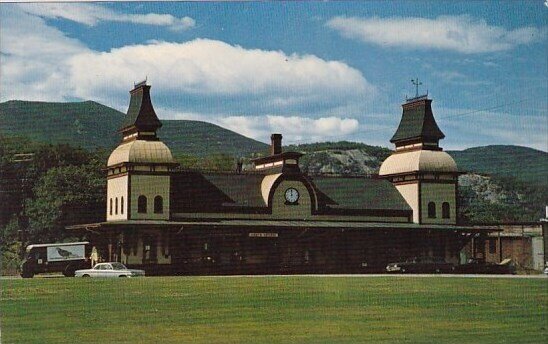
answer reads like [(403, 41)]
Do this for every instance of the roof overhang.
[(287, 224)]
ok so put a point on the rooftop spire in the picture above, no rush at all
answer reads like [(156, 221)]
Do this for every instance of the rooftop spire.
[(417, 125), (140, 114)]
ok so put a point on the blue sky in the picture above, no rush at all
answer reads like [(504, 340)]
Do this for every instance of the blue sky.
[(314, 71)]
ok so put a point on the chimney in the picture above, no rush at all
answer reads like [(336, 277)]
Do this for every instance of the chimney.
[(276, 144)]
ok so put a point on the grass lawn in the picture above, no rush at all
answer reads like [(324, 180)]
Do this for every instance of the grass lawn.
[(293, 309)]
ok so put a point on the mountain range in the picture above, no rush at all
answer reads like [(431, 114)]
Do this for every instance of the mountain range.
[(92, 125)]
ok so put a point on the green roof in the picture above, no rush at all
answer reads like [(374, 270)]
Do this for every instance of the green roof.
[(141, 113), (417, 122), (197, 191), (218, 192), (358, 193)]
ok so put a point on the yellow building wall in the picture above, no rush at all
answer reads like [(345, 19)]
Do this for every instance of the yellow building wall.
[(117, 188), (410, 193), (150, 187), (438, 193), (302, 210)]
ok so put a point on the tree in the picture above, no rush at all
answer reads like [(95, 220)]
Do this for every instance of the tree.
[(65, 196)]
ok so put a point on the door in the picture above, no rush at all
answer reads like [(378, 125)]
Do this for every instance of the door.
[(538, 253), (150, 249)]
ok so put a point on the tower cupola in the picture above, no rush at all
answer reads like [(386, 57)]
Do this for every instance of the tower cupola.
[(425, 175), (139, 169), (141, 120), (418, 128)]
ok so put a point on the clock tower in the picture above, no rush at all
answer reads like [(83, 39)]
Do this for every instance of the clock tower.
[(139, 169)]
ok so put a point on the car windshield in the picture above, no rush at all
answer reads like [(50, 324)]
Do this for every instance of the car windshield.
[(118, 266)]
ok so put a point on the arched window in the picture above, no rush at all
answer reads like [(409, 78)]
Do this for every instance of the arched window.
[(445, 211), (142, 204), (432, 210), (116, 206), (158, 205), (110, 206), (122, 205)]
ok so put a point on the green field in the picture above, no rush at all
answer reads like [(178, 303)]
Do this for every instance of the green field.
[(293, 309)]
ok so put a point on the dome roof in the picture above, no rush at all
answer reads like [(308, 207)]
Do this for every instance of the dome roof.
[(141, 151), (418, 161)]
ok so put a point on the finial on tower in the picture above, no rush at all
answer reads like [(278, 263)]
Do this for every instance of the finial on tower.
[(140, 83), (416, 83)]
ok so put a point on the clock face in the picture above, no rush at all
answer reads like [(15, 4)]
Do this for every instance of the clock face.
[(291, 195)]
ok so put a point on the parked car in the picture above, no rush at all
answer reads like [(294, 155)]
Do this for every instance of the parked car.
[(421, 265), (113, 269), (476, 266), (57, 257)]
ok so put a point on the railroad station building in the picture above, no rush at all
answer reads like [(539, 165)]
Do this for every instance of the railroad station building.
[(275, 218)]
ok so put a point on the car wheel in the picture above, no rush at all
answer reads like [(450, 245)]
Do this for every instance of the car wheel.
[(438, 271), (86, 275), (69, 271), (403, 270), (122, 276), (27, 275)]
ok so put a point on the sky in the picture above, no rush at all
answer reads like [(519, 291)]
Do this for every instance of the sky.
[(313, 71)]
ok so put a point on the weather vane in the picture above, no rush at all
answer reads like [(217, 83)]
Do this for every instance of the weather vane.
[(416, 82)]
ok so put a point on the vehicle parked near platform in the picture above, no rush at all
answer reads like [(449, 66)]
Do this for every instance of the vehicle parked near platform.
[(56, 257), (476, 266), (421, 265), (111, 269)]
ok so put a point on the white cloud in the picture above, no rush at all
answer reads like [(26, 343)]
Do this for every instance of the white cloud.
[(92, 14), (209, 67), (201, 77), (463, 34), (33, 56), (294, 128)]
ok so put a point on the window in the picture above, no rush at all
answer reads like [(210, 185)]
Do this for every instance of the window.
[(116, 206), (158, 205), (142, 204), (111, 206), (492, 246), (432, 210), (122, 205), (445, 211)]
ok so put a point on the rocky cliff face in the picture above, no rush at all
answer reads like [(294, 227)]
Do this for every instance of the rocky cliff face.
[(343, 162), (483, 187)]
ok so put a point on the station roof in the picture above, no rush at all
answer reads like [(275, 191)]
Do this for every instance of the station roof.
[(196, 191), (284, 224), (359, 193)]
